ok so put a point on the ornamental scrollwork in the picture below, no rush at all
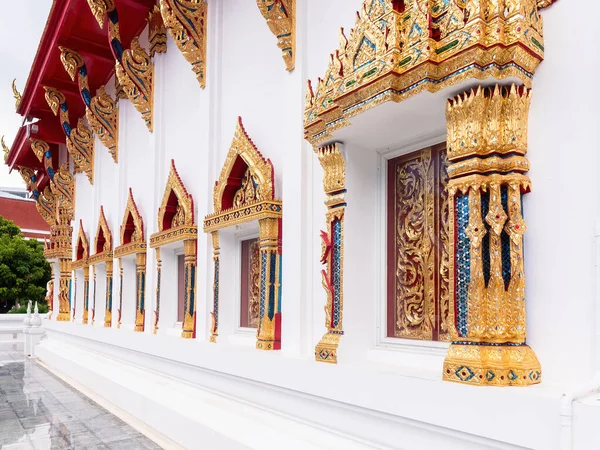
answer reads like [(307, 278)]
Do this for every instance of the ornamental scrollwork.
[(132, 218), (16, 94), (5, 149), (103, 240), (157, 33), (186, 22), (395, 52), (101, 110), (281, 19), (136, 74), (80, 140), (99, 9)]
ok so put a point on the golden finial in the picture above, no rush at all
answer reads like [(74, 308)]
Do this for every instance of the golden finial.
[(16, 94), (4, 148)]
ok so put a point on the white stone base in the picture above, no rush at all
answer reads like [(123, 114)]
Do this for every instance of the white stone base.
[(194, 394)]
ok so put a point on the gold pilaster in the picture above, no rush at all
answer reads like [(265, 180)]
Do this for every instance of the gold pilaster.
[(94, 295), (332, 247), (140, 289), (268, 336), (120, 309), (189, 269), (158, 272), (214, 328), (487, 143), (64, 293), (86, 293)]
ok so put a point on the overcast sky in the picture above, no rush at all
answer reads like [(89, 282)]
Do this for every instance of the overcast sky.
[(21, 25)]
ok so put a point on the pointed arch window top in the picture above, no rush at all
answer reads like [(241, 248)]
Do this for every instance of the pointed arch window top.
[(245, 190), (82, 251), (103, 241), (132, 230), (176, 213)]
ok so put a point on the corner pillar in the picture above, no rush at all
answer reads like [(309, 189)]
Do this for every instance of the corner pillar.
[(487, 143), (64, 292), (269, 328)]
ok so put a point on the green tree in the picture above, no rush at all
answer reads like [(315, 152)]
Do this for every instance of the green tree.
[(24, 271)]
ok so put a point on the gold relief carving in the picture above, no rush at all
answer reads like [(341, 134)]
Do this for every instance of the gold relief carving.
[(103, 230), (109, 286), (86, 294), (158, 276), (484, 122), (261, 169), (444, 262), (254, 285), (101, 111), (64, 310), (157, 33), (46, 206), (185, 202), (332, 250), (131, 210), (415, 182), (243, 193), (281, 19), (173, 235), (140, 289), (79, 140), (16, 94), (5, 149), (391, 55), (99, 9), (39, 148), (214, 315), (189, 315), (186, 21), (119, 91), (103, 116), (489, 338), (136, 75)]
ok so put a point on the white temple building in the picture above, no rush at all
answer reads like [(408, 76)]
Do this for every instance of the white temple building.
[(341, 224)]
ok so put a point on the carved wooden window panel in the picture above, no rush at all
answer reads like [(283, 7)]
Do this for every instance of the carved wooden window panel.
[(250, 283), (417, 260)]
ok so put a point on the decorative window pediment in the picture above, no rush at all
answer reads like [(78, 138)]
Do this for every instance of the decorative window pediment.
[(176, 213), (245, 189), (399, 48), (82, 252), (103, 241), (132, 230)]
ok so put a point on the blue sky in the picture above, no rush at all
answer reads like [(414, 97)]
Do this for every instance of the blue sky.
[(21, 25)]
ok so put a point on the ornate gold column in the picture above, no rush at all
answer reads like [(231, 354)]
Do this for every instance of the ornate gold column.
[(86, 293), (269, 328), (140, 291), (64, 293), (487, 143), (109, 288), (94, 295), (214, 329), (332, 246), (158, 271), (189, 270), (120, 310)]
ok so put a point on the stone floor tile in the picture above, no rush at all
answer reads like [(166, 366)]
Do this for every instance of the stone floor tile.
[(19, 446), (104, 421), (7, 414), (13, 436), (118, 433), (127, 444), (8, 425), (32, 422)]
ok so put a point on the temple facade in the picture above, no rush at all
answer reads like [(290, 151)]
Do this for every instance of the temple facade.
[(322, 224)]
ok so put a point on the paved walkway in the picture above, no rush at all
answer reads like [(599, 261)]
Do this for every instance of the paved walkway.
[(40, 411)]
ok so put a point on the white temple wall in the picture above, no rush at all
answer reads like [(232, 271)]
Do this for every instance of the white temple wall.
[(561, 209)]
